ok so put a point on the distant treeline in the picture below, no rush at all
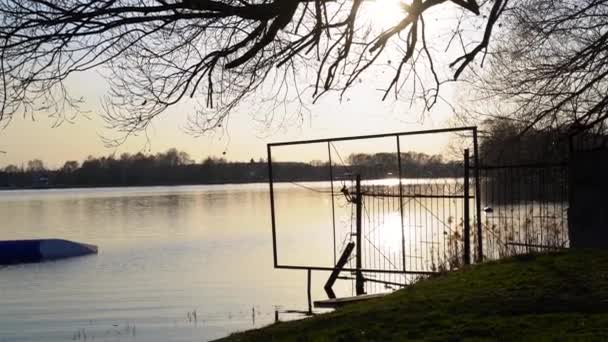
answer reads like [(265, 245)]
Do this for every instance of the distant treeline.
[(501, 144), (177, 168)]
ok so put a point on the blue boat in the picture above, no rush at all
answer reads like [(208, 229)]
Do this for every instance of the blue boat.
[(27, 251)]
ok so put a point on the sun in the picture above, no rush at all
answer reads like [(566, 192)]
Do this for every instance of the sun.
[(387, 11)]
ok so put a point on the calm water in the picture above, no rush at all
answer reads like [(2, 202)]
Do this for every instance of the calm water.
[(165, 252)]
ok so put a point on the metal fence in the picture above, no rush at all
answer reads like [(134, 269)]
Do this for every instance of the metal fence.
[(405, 221), (417, 228), (385, 223), (525, 208)]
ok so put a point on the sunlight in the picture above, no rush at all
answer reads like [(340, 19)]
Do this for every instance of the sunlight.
[(390, 234), (387, 11)]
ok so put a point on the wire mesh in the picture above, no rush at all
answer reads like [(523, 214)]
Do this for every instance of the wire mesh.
[(525, 208)]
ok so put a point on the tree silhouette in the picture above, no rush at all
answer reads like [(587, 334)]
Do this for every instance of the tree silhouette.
[(549, 67), (158, 52), (35, 165), (163, 169), (70, 166), (12, 169)]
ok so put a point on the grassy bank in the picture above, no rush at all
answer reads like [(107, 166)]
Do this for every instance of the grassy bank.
[(562, 296)]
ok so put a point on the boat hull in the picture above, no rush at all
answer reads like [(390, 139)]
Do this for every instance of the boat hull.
[(28, 251)]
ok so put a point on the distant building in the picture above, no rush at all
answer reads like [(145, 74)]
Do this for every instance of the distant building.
[(40, 181)]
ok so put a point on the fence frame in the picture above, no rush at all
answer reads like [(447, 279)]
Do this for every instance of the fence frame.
[(469, 129)]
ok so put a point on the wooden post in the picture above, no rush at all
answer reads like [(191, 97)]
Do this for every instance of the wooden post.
[(359, 286), (336, 272), (467, 223)]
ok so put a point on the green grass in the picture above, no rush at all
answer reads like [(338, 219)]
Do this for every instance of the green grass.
[(548, 297)]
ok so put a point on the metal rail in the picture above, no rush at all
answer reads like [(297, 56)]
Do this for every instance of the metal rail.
[(374, 136), (350, 269)]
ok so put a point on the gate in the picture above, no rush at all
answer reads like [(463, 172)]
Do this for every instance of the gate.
[(416, 227), (377, 212)]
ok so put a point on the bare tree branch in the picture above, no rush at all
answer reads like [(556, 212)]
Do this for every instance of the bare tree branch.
[(550, 67), (158, 53)]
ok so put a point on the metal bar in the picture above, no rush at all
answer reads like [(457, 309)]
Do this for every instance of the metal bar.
[(372, 280), (309, 293), (272, 214), (401, 203), (521, 244), (366, 194), (565, 198), (353, 270), (372, 136), (570, 190), (523, 166), (467, 223), (359, 288), (477, 197), (333, 207)]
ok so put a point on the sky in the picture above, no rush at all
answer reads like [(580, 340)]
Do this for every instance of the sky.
[(244, 138), (362, 112)]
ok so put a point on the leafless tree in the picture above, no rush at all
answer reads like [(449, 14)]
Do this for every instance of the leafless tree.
[(35, 165), (549, 65), (156, 53)]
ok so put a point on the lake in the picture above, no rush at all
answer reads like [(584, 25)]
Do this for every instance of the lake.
[(185, 263), (194, 263)]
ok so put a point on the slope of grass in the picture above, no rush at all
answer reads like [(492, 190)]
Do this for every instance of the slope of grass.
[(549, 297)]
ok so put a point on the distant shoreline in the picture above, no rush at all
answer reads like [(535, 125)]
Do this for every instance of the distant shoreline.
[(104, 186), (56, 187), (99, 186)]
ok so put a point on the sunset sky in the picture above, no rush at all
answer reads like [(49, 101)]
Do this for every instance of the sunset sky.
[(243, 138), (361, 112)]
